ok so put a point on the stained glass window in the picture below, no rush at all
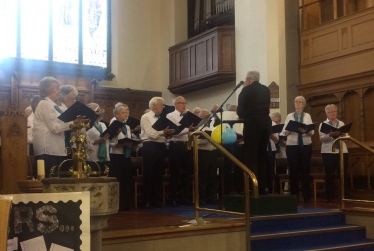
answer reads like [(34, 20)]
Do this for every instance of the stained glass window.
[(65, 31), (94, 32), (61, 32), (34, 29), (8, 24)]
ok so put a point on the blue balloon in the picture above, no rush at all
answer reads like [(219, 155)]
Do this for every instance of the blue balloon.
[(229, 136)]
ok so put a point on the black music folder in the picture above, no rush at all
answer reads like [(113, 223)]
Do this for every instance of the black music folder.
[(277, 128), (166, 110), (189, 118), (293, 126), (129, 140), (326, 128), (132, 122), (113, 129), (163, 123), (79, 109)]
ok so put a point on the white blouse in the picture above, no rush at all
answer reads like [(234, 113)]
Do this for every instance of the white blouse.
[(113, 142), (93, 134), (148, 133), (292, 137), (327, 140), (48, 136)]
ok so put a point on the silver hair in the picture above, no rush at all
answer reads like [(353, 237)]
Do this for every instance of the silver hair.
[(118, 104), (253, 75), (46, 84), (277, 115), (176, 99), (118, 108), (327, 108), (196, 108), (205, 111), (93, 106), (154, 101), (302, 99), (68, 91)]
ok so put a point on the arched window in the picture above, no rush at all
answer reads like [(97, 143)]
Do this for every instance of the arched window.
[(70, 37)]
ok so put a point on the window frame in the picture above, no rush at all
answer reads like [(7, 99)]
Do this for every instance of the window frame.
[(49, 67)]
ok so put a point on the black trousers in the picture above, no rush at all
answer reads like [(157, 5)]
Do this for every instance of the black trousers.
[(208, 175), (331, 162), (232, 175), (120, 168), (49, 162), (181, 169), (298, 158), (154, 168), (257, 130)]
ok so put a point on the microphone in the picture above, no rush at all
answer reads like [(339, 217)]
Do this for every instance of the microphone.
[(240, 84)]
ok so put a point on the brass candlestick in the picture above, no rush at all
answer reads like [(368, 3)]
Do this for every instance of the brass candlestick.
[(79, 168)]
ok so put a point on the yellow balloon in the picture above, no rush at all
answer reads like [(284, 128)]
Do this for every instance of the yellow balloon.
[(216, 133)]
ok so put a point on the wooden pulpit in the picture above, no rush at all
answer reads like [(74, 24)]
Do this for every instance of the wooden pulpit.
[(14, 165)]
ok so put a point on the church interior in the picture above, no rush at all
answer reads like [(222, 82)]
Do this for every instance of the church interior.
[(322, 50)]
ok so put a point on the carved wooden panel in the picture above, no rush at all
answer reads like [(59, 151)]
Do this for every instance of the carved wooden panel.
[(20, 88), (203, 61), (351, 103), (14, 166), (340, 48)]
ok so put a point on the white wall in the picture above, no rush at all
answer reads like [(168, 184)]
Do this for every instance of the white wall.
[(206, 98), (142, 32), (260, 42)]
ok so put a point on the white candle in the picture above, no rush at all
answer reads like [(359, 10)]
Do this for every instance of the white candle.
[(40, 165)]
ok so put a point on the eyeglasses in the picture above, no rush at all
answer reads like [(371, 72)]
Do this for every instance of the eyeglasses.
[(181, 103)]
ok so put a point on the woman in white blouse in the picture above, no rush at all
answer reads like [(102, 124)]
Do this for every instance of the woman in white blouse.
[(120, 160), (331, 160), (99, 145), (299, 150), (48, 137)]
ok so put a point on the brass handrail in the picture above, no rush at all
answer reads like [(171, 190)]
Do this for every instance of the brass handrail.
[(341, 158), (247, 174)]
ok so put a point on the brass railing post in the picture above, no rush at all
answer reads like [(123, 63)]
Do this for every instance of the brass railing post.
[(247, 174), (342, 174)]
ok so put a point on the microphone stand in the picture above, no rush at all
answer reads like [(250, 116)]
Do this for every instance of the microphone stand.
[(219, 109), (212, 115)]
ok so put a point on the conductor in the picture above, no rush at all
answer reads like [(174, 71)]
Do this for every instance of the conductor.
[(253, 108)]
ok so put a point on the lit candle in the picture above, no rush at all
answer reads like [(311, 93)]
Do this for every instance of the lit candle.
[(40, 165)]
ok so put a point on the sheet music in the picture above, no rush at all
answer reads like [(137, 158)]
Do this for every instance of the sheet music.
[(35, 244), (55, 247)]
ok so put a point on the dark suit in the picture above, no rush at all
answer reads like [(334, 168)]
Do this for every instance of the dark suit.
[(253, 107)]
